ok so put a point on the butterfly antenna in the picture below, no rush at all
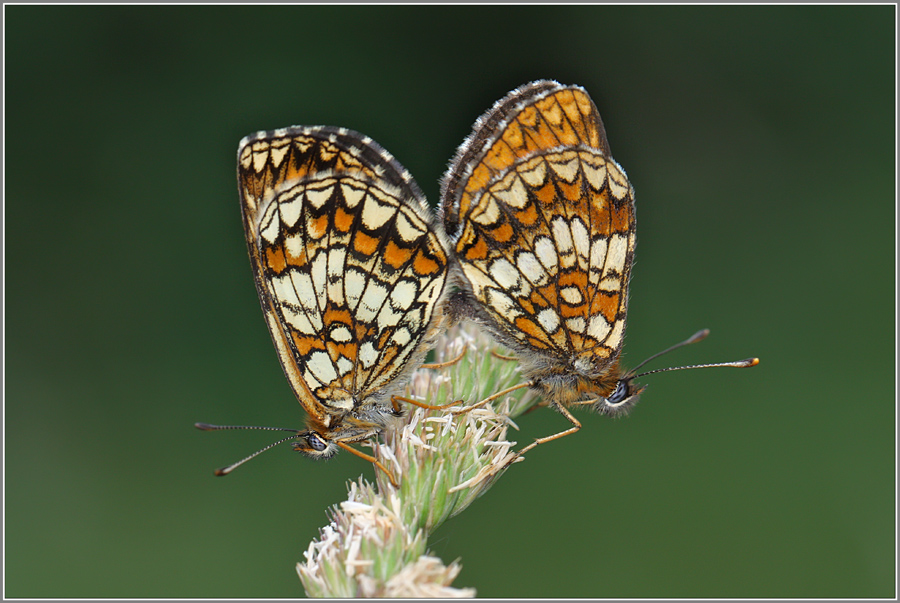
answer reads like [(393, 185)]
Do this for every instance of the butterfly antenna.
[(230, 468), (746, 363), (698, 336)]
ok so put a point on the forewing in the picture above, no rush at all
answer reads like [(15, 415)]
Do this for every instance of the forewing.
[(348, 267), (546, 241), (537, 116)]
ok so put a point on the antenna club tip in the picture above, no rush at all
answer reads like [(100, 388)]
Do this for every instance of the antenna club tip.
[(203, 426), (698, 336), (221, 472), (752, 361)]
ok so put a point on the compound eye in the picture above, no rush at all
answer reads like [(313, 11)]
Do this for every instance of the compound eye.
[(316, 443), (620, 394)]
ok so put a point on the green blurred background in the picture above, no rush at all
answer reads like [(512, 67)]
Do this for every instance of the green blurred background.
[(760, 141)]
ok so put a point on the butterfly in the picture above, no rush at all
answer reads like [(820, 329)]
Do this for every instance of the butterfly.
[(541, 221), (350, 273)]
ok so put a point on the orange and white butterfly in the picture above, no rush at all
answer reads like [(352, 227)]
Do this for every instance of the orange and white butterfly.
[(541, 220), (350, 273)]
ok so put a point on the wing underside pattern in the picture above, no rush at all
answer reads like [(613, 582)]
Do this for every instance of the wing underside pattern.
[(542, 221), (348, 267)]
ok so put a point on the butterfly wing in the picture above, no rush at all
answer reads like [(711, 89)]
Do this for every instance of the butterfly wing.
[(543, 225), (348, 267)]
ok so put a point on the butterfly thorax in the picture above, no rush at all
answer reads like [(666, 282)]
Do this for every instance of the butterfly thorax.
[(379, 414), (340, 408), (565, 383), (352, 429)]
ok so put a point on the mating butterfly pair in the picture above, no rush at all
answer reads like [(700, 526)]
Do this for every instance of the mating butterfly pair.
[(537, 224)]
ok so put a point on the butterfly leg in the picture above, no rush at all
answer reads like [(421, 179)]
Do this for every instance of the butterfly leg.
[(395, 400), (502, 357), (438, 365), (492, 397), (583, 402), (576, 425), (371, 459)]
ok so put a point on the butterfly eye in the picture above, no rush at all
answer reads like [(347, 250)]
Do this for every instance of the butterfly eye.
[(316, 443), (621, 392)]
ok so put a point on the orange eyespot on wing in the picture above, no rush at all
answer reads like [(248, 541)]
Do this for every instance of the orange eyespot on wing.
[(348, 265), (542, 221)]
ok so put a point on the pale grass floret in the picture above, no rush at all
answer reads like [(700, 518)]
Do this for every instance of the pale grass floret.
[(375, 545)]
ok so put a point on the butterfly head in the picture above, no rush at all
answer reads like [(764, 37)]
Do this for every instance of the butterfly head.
[(315, 445), (625, 395)]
